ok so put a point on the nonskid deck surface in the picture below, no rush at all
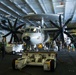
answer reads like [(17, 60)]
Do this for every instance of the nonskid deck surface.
[(66, 65)]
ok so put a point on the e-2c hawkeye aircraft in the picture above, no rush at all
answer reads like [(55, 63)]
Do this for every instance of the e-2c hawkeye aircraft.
[(38, 37)]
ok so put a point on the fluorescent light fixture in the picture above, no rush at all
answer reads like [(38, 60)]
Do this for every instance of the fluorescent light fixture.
[(30, 13), (60, 6), (60, 13)]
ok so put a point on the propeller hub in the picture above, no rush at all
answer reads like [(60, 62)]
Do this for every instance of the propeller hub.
[(13, 30), (61, 29)]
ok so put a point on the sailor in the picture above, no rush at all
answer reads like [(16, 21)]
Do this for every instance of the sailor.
[(3, 46), (58, 44), (72, 47)]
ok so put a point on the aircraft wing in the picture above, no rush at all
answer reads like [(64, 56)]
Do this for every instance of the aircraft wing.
[(38, 17), (50, 29)]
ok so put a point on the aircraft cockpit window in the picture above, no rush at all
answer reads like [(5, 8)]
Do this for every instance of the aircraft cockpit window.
[(33, 30)]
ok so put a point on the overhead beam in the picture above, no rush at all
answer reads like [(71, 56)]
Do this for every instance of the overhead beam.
[(39, 1), (27, 1), (5, 11), (1, 12), (18, 6), (43, 7), (10, 8), (53, 6), (15, 14), (71, 10)]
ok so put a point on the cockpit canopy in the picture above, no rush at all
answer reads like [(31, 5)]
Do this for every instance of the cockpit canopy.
[(32, 30)]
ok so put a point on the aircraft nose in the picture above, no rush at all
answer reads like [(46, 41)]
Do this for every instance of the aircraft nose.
[(26, 38)]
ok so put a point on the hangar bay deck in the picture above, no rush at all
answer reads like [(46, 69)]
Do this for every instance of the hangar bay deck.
[(66, 64)]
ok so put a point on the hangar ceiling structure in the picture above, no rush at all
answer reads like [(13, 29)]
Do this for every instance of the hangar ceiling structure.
[(20, 8)]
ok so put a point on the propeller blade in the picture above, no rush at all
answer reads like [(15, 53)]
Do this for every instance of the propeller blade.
[(70, 28), (56, 35), (62, 37), (71, 32), (60, 23), (68, 35), (7, 34), (15, 23), (54, 24), (19, 32), (3, 22), (67, 22), (20, 26), (9, 23), (16, 39), (11, 38)]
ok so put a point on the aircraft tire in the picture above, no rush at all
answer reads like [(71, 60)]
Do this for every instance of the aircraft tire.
[(52, 66), (13, 64)]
